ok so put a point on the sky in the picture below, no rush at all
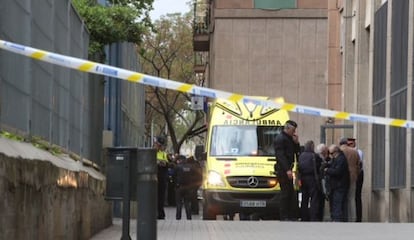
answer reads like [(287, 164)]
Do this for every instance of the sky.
[(162, 7)]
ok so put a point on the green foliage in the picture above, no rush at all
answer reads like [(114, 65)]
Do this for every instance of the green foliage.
[(124, 20), (45, 145), (11, 136), (37, 142), (167, 52)]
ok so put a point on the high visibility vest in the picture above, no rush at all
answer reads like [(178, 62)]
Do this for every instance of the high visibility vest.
[(295, 171), (162, 156)]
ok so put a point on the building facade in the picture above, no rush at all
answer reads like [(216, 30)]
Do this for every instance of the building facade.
[(269, 48), (345, 55), (375, 41)]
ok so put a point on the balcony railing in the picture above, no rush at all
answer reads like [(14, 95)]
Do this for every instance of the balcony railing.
[(201, 25)]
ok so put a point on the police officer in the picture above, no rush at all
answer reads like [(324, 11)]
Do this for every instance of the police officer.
[(184, 186), (286, 148), (162, 162)]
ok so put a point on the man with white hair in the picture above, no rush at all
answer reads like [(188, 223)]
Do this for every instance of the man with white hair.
[(338, 174), (322, 152)]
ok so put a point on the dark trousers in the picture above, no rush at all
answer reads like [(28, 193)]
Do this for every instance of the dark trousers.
[(183, 196), (358, 200), (194, 201), (162, 185), (338, 204), (288, 201), (171, 191), (321, 207), (311, 200)]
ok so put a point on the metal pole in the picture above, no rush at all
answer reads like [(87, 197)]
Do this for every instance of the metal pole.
[(146, 194), (126, 198), (152, 133)]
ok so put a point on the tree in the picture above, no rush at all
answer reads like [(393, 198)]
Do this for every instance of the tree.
[(123, 20), (168, 53)]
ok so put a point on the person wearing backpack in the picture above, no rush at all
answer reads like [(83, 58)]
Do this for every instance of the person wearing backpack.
[(185, 171), (309, 170)]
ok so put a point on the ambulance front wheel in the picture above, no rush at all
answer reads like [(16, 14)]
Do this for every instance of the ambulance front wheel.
[(208, 212)]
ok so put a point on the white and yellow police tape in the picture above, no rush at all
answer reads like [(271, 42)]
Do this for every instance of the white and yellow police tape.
[(110, 71)]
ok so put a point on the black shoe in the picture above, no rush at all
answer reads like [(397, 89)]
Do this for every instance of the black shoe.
[(160, 217)]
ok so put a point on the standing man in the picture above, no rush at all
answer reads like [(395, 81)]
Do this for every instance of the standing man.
[(353, 166), (339, 184), (360, 180), (196, 182), (286, 149), (162, 162), (323, 154), (185, 171), (309, 171)]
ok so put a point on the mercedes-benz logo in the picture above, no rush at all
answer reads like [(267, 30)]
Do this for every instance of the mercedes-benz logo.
[(252, 182)]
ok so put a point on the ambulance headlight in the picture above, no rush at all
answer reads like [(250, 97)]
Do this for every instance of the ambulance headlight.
[(215, 179)]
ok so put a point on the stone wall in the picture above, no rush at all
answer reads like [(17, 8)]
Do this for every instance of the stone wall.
[(40, 200)]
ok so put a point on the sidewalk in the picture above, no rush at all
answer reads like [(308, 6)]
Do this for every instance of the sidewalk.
[(171, 229)]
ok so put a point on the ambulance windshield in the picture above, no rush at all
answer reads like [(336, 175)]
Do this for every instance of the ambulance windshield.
[(243, 140)]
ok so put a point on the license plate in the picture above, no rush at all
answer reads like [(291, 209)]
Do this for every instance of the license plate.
[(252, 203)]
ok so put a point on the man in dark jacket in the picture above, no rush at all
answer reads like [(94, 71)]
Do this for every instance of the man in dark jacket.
[(309, 171), (286, 147), (197, 180), (339, 183), (185, 172)]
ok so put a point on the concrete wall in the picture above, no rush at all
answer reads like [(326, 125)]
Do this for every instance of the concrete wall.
[(273, 53), (49, 197)]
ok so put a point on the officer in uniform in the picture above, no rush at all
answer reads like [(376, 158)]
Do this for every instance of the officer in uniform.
[(162, 162), (184, 186)]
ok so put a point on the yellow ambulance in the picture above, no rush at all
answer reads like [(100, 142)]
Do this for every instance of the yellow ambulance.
[(239, 168)]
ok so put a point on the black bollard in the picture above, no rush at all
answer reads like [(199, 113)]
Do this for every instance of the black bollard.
[(147, 194), (126, 195), (121, 181)]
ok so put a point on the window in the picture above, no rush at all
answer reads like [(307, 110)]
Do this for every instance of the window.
[(274, 4), (398, 141), (398, 104), (379, 100)]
